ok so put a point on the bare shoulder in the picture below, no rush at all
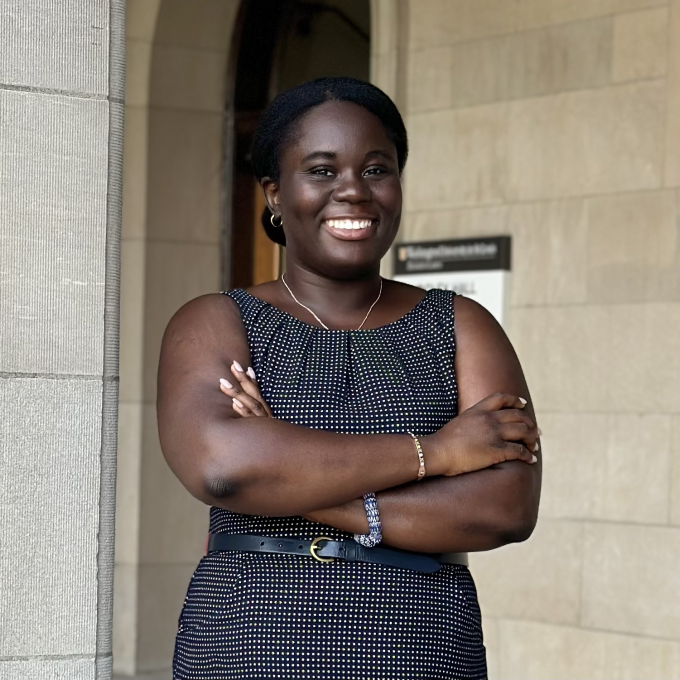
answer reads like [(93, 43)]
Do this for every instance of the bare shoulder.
[(470, 316)]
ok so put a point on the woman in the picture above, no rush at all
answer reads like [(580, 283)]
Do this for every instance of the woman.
[(337, 385)]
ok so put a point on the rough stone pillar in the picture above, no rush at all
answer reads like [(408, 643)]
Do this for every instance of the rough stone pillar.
[(61, 120)]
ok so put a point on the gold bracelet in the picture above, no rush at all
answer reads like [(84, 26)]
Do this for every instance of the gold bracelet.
[(421, 457)]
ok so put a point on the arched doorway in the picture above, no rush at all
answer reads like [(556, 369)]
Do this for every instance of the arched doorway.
[(198, 74), (280, 45)]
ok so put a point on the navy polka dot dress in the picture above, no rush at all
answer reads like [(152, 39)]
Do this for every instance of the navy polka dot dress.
[(263, 616)]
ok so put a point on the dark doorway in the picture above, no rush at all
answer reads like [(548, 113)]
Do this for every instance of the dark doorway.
[(279, 44)]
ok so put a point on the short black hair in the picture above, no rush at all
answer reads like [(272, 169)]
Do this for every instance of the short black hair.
[(278, 122)]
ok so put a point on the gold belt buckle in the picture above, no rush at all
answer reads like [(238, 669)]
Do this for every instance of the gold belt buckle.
[(314, 547)]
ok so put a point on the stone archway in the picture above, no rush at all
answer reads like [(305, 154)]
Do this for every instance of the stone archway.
[(178, 61)]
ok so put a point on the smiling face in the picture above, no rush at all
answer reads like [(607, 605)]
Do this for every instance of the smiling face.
[(339, 191)]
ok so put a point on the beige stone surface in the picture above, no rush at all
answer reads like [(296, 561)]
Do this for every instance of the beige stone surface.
[(675, 471), (617, 359), (185, 176), (135, 172), (176, 273), (188, 79), (585, 143), (538, 580), (132, 311), (124, 618), (430, 81), (536, 651), (138, 68), (492, 644), (140, 18), (640, 45), (630, 579), (162, 589), (609, 467), (201, 24), (556, 59), (454, 223), (534, 13), (549, 240), (48, 669), (442, 22), (174, 525), (128, 482), (632, 247), (457, 158), (672, 171)]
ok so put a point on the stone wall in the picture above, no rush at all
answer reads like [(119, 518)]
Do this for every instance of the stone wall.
[(558, 122), (61, 115)]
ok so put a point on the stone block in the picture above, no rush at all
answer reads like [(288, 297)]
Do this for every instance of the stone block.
[(128, 482), (48, 669), (188, 79), (536, 651), (596, 468), (584, 143), (457, 158), (176, 273), (56, 46), (640, 45), (672, 170), (135, 172), (675, 470), (185, 176), (492, 644), (53, 180), (536, 13), (456, 223), (162, 589), (50, 441), (549, 240), (200, 24), (586, 359), (632, 246), (443, 22), (138, 69), (175, 525), (539, 579), (556, 59), (430, 84), (630, 580), (132, 320)]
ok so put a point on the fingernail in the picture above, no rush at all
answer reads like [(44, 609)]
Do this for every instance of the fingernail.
[(540, 432), (536, 447), (524, 401), (238, 366), (251, 373), (225, 383), (240, 405), (534, 459)]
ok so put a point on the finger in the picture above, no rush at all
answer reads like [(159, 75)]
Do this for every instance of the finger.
[(514, 415), (520, 432), (255, 406), (247, 383), (518, 452), (239, 407), (500, 400)]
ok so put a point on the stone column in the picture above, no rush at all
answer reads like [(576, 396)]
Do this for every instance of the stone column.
[(61, 120)]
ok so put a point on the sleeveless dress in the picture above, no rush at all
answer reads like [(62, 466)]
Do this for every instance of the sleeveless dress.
[(256, 615)]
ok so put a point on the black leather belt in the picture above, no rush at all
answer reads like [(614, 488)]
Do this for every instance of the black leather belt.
[(324, 549)]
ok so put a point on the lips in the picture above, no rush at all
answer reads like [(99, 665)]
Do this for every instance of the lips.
[(348, 229)]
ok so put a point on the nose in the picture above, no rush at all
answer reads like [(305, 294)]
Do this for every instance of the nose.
[(352, 188)]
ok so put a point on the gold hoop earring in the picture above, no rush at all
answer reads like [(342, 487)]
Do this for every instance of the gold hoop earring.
[(276, 226)]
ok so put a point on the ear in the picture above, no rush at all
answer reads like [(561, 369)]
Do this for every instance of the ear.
[(271, 195)]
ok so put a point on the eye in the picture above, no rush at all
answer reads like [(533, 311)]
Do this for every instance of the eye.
[(321, 172), (376, 170)]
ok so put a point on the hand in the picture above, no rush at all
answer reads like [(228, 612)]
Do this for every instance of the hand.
[(245, 394), (490, 432)]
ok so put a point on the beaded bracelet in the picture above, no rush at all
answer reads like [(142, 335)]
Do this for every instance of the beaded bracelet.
[(374, 535)]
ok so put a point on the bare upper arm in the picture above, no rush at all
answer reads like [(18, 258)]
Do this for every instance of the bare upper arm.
[(201, 341), (485, 359)]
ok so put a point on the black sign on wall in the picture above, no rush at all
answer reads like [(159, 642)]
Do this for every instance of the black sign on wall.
[(459, 255)]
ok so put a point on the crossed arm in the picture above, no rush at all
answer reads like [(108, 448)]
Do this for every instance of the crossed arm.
[(263, 466)]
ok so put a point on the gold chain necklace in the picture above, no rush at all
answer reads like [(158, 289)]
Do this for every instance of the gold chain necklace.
[(370, 309)]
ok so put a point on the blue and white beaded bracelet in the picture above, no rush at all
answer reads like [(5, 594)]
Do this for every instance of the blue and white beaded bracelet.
[(374, 535)]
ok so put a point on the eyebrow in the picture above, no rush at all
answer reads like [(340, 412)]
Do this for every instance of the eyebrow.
[(330, 155)]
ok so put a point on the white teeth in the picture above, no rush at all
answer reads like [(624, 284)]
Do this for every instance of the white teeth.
[(349, 224)]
